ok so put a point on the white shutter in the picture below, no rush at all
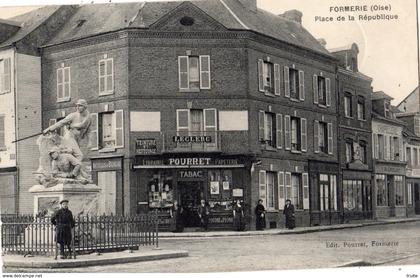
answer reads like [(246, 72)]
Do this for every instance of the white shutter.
[(330, 138), (287, 133), (286, 82), (400, 142), (60, 84), (301, 85), (261, 75), (279, 131), (305, 182), (282, 199), (7, 75), (328, 90), (67, 82), (261, 126), (183, 72), (119, 129), (288, 185), (263, 187), (210, 126), (109, 75), (205, 78), (277, 88), (93, 132), (303, 135), (102, 76), (182, 121), (315, 88), (316, 136)]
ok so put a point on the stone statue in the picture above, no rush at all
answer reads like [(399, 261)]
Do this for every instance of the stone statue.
[(60, 156)]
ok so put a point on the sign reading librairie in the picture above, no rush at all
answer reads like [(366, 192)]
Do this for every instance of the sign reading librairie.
[(146, 146)]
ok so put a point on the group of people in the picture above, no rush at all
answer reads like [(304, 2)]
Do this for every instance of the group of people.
[(288, 211)]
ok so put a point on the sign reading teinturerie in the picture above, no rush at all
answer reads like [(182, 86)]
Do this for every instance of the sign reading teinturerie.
[(192, 139), (146, 146)]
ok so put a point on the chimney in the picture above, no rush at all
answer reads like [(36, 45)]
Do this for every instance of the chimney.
[(293, 15), (249, 4), (322, 41)]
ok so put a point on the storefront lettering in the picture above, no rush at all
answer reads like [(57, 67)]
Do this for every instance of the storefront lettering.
[(190, 174), (390, 170), (191, 139), (109, 164), (189, 161)]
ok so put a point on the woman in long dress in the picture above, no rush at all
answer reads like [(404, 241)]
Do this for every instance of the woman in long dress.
[(289, 212), (238, 216), (260, 215)]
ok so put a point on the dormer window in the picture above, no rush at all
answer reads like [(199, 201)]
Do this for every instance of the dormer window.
[(387, 111)]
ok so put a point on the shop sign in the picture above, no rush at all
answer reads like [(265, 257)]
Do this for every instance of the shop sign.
[(188, 161), (190, 174), (103, 164), (192, 139), (146, 146), (238, 192), (390, 170)]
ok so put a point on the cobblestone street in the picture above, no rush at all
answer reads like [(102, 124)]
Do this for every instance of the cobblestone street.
[(277, 252)]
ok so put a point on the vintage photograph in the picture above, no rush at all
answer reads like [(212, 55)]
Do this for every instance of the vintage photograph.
[(209, 136)]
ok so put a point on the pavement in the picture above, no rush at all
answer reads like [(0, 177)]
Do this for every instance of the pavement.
[(297, 230), (92, 259)]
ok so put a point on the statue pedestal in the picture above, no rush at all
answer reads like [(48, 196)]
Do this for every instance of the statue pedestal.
[(83, 198)]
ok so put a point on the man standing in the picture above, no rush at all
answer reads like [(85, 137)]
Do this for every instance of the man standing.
[(203, 214), (64, 222)]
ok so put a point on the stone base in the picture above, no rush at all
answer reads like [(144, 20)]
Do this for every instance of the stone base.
[(83, 198)]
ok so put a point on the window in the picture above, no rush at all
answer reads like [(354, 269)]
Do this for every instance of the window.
[(268, 77), (296, 191), (63, 84), (327, 192), (295, 136), (395, 148), (107, 130), (294, 84), (409, 194), (295, 133), (270, 190), (348, 110), (399, 190), (61, 130), (381, 143), (194, 72), (362, 151), (361, 115), (5, 75), (408, 156), (2, 133), (322, 90), (268, 127), (266, 188), (323, 137), (387, 109), (349, 151), (382, 190), (106, 76), (352, 195)]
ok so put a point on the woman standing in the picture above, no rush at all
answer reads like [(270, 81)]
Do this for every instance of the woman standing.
[(177, 226), (238, 216), (260, 215), (289, 212)]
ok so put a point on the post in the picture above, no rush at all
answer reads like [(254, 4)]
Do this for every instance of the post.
[(72, 243), (157, 229)]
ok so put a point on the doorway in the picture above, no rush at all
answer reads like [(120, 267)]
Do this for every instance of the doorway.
[(190, 194), (417, 197)]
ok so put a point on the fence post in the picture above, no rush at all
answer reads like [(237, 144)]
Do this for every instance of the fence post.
[(157, 229)]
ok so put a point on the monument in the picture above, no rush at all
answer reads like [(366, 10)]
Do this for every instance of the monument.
[(62, 173)]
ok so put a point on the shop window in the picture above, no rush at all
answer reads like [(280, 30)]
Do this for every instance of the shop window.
[(220, 184), (194, 72), (352, 195), (327, 192), (348, 110), (399, 190), (161, 193), (63, 84), (349, 151), (409, 194), (382, 190), (106, 76)]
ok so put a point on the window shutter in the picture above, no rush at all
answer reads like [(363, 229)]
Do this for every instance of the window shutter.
[(102, 77), (330, 138), (288, 184), (305, 182), (260, 75), (210, 125), (387, 154), (400, 143), (183, 72), (2, 132), (286, 82), (316, 137), (375, 146), (282, 199), (110, 75), (119, 129), (277, 88), (261, 126), (205, 72), (328, 91), (315, 88), (93, 132), (303, 135), (279, 130), (287, 134), (263, 188), (301, 85), (7, 75), (67, 82), (60, 84)]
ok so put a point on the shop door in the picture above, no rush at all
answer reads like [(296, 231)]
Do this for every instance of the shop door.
[(367, 201), (190, 194), (417, 197)]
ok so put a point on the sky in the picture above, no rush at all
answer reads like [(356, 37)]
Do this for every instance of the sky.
[(388, 48)]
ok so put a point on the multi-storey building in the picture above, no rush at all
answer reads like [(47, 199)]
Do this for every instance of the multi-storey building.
[(355, 136), (389, 161), (20, 98), (213, 100)]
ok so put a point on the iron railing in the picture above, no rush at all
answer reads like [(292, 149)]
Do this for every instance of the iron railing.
[(36, 235)]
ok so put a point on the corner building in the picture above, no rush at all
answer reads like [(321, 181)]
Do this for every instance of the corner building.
[(213, 100)]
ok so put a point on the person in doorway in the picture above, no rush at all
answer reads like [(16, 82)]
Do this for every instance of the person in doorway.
[(260, 215), (203, 214), (289, 212), (176, 216), (64, 222), (238, 216)]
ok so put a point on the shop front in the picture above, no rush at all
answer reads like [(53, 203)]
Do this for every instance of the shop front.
[(219, 181), (390, 190), (413, 191)]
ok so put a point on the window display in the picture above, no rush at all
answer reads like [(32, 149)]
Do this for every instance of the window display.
[(161, 193), (220, 189)]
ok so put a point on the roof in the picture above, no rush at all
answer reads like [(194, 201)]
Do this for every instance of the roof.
[(347, 47), (102, 18), (413, 92), (380, 95), (28, 22), (380, 117)]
